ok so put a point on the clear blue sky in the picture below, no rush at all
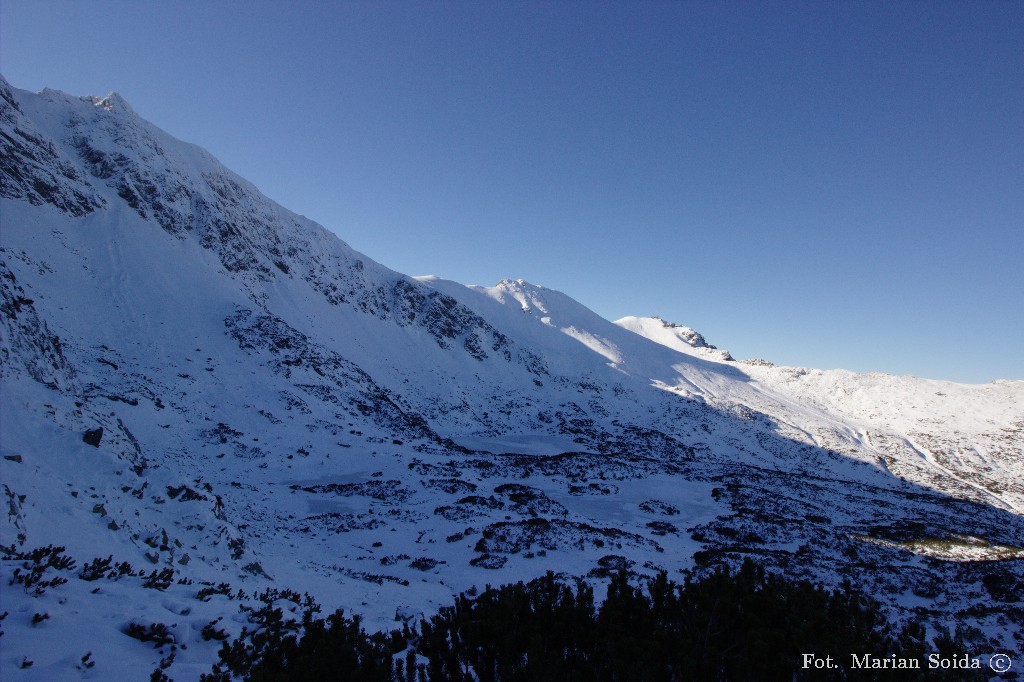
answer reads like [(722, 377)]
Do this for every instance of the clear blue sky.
[(829, 184)]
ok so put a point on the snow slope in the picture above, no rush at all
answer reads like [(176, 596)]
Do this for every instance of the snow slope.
[(971, 433), (278, 410)]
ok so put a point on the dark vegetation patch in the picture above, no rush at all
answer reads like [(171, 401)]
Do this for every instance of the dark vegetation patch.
[(742, 625), (385, 491)]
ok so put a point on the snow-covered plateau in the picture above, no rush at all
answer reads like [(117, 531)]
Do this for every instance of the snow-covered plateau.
[(224, 395)]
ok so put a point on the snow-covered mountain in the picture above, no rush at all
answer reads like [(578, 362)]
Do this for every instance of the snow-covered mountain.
[(196, 379)]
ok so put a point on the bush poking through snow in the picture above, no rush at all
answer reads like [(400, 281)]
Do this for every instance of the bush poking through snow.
[(211, 631), (105, 568), (205, 593), (158, 633), (87, 662), (36, 564), (159, 581)]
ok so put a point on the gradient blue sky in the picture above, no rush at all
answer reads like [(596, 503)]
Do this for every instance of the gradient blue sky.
[(822, 184)]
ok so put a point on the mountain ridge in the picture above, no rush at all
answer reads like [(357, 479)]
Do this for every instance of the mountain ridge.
[(340, 426)]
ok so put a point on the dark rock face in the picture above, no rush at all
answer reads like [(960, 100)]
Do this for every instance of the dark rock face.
[(93, 437), (25, 338), (33, 169)]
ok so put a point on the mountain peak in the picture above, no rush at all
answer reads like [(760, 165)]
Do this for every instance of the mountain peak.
[(112, 102), (517, 285)]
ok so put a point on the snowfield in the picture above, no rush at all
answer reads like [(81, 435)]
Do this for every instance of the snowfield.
[(224, 395)]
